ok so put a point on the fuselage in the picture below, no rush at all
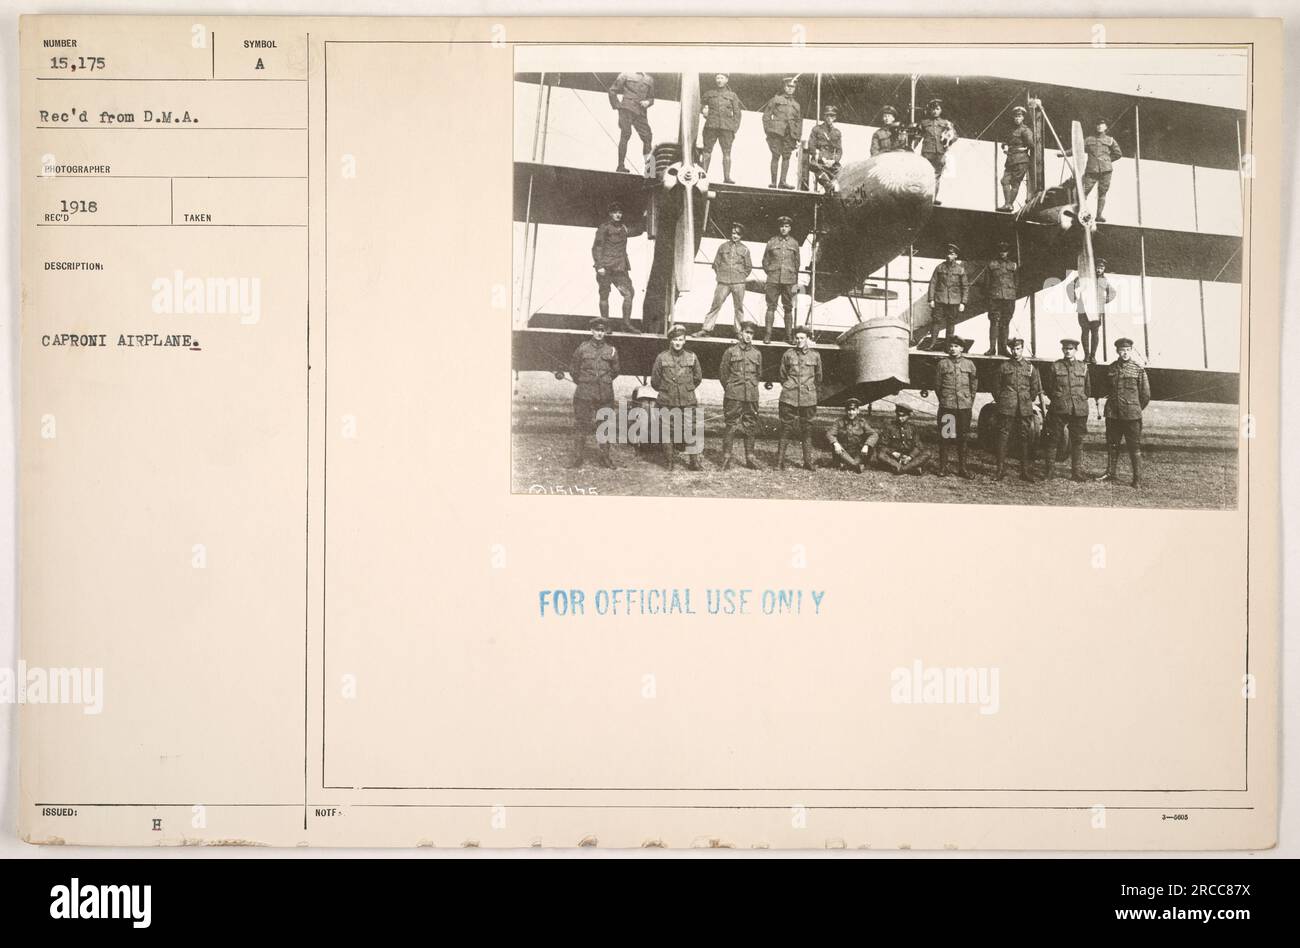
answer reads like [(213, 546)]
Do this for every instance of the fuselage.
[(882, 203)]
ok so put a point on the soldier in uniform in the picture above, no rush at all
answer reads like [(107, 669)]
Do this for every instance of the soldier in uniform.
[(899, 450), (675, 376), (1002, 278), (937, 136), (955, 382), (632, 94), (1069, 389), (1090, 329), (731, 265), (722, 110), (948, 293), (1018, 386), (594, 367), (801, 378), (783, 125), (1129, 394), (781, 264), (739, 373), (1103, 151), (890, 136), (609, 257), (853, 439), (825, 143), (1019, 147)]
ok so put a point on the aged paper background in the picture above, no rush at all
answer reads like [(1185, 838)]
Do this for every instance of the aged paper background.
[(357, 521)]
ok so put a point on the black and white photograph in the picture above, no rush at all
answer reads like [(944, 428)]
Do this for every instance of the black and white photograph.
[(1003, 275)]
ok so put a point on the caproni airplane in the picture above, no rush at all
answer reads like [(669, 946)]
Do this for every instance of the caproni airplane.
[(884, 209)]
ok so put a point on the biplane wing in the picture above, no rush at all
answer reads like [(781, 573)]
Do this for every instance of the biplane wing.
[(578, 197), (549, 342)]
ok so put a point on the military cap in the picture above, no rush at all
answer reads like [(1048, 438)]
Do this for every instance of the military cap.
[(889, 110), (1019, 110), (1069, 343), (1124, 343), (748, 324), (613, 206), (830, 110), (737, 225), (598, 323), (1004, 245), (852, 402), (933, 102), (803, 329), (901, 409), (784, 219), (677, 330), (1015, 343)]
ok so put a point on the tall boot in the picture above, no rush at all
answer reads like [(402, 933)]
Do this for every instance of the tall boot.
[(1112, 463), (780, 452), (669, 452), (728, 437), (749, 453), (807, 451), (1076, 460), (1135, 462), (1026, 474), (962, 470), (775, 167), (579, 448)]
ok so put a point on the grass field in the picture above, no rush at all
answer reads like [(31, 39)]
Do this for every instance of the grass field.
[(1190, 459)]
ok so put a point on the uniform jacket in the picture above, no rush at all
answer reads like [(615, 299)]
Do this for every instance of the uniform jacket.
[(1069, 388), (956, 382), (948, 284), (740, 371), (898, 436), (781, 260), (733, 263), (1019, 145), (1129, 390), (890, 138), (609, 249), (1018, 385), (725, 108), (827, 140), (594, 367), (782, 116), (801, 377), (852, 433), (936, 135), (675, 377), (1002, 279), (634, 88), (1102, 151), (1105, 293)]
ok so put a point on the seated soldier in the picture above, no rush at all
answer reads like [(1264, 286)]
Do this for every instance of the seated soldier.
[(899, 450), (852, 439)]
